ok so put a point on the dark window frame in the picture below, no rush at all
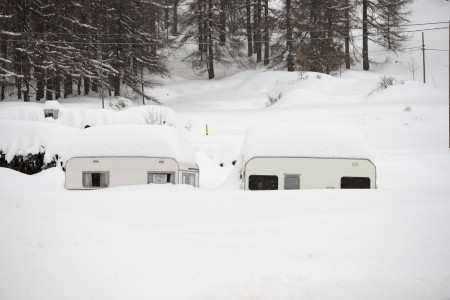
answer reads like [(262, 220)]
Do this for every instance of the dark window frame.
[(270, 184), (355, 182)]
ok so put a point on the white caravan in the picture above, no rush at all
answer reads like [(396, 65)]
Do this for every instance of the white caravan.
[(290, 156), (116, 155)]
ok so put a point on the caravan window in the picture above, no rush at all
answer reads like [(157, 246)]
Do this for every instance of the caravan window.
[(263, 182), (188, 178), (161, 178), (355, 183), (95, 179), (292, 182)]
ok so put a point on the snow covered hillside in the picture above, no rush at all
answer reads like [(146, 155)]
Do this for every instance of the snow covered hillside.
[(217, 241)]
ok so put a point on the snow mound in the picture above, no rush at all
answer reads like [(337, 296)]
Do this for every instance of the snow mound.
[(305, 140), (133, 140), (81, 117), (27, 137), (52, 104)]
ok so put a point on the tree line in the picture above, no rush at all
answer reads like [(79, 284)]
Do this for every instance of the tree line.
[(57, 48)]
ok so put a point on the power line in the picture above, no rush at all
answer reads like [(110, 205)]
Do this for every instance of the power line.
[(196, 43), (443, 50), (143, 34)]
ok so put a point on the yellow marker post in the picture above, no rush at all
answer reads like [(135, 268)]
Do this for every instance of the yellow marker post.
[(206, 129)]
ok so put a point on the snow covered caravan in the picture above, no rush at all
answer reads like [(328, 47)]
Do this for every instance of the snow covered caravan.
[(291, 156), (115, 155)]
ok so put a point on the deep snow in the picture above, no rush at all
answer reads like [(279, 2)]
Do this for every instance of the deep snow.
[(218, 242)]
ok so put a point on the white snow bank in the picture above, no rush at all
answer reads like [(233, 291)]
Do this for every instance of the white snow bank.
[(132, 140), (26, 137), (305, 140), (80, 117)]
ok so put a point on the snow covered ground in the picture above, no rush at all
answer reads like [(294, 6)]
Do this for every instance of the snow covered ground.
[(218, 242)]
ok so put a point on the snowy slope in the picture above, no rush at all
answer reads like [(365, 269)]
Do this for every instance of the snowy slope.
[(218, 242)]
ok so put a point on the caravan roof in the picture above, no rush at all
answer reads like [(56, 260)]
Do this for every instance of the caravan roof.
[(133, 141), (305, 140)]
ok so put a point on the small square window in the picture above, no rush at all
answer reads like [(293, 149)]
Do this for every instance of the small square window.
[(188, 178), (292, 182), (51, 113), (95, 179), (161, 178)]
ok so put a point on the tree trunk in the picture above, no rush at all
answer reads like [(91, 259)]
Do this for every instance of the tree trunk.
[(289, 41), (249, 29), (365, 51), (79, 86), (87, 84), (347, 36), (222, 23), (4, 51), (201, 27), (258, 31), (68, 90), (389, 29), (40, 84), (175, 18), (116, 85), (26, 92), (2, 92), (266, 33), (210, 41), (57, 83), (94, 85), (49, 92)]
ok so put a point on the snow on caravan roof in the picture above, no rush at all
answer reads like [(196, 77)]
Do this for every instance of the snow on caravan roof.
[(305, 140), (132, 141)]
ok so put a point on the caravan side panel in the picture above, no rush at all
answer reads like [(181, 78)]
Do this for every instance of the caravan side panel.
[(313, 173), (122, 170)]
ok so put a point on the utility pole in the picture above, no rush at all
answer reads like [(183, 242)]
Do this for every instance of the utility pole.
[(423, 55), (142, 85)]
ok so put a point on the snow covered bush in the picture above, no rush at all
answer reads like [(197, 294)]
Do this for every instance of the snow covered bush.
[(29, 164), (273, 98), (384, 83), (302, 74), (158, 116), (120, 103)]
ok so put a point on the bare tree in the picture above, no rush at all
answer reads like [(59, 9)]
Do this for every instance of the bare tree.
[(413, 66)]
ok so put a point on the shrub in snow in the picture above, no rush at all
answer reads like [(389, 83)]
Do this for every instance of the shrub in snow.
[(29, 164), (302, 75), (384, 83), (157, 115), (408, 108), (120, 103), (273, 98)]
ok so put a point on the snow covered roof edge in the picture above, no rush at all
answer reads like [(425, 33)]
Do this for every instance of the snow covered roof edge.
[(315, 140), (132, 140)]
